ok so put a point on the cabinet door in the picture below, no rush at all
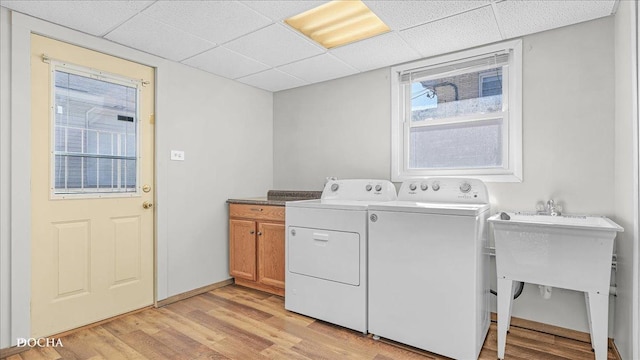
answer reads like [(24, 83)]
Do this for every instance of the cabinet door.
[(242, 249), (271, 254)]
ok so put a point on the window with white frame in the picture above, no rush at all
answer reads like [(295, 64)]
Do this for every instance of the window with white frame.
[(459, 115), (95, 133)]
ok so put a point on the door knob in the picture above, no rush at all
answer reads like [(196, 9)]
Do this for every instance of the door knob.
[(147, 205)]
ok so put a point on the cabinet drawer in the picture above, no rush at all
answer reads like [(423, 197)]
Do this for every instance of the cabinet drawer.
[(259, 212)]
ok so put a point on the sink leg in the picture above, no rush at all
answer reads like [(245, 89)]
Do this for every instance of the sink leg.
[(598, 308), (586, 300), (505, 302)]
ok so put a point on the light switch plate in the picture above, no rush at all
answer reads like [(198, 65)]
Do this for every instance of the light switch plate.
[(177, 155)]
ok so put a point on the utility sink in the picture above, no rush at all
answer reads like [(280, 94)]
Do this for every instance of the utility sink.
[(570, 252)]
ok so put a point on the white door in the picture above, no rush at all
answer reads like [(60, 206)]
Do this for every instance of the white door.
[(92, 171)]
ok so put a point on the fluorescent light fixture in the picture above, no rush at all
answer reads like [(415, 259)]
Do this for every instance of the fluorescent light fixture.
[(338, 22)]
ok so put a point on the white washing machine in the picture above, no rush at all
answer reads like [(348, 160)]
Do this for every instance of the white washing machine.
[(428, 267), (326, 252)]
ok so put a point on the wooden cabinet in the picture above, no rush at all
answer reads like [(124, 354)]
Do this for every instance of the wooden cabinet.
[(271, 254), (242, 249), (256, 246)]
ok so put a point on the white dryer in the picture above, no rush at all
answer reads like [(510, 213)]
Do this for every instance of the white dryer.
[(428, 267), (326, 252)]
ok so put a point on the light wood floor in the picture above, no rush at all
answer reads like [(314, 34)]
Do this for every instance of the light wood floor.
[(238, 323)]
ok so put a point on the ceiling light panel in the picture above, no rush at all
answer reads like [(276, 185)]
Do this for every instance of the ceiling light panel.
[(338, 22)]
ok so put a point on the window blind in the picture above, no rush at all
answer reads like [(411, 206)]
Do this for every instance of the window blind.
[(494, 59)]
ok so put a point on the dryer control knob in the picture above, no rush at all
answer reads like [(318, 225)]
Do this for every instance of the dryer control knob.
[(373, 217), (369, 187), (424, 187), (378, 187), (334, 187), (412, 187), (465, 187), (435, 186)]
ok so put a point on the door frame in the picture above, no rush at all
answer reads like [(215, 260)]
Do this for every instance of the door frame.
[(635, 311), (22, 26)]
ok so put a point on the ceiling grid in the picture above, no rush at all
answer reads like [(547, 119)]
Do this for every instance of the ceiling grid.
[(248, 40)]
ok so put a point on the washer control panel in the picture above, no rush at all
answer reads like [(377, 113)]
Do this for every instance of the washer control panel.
[(359, 189), (452, 190)]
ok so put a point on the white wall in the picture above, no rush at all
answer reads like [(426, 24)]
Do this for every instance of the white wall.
[(336, 128), (341, 128), (625, 170), (19, 181), (225, 129), (568, 144), (5, 219)]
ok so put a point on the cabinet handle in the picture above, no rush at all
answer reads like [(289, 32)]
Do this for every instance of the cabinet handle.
[(252, 232), (256, 209), (259, 233)]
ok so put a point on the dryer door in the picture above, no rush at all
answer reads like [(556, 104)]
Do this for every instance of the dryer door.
[(325, 254)]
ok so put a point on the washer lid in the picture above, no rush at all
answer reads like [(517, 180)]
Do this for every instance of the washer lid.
[(431, 208), (332, 204)]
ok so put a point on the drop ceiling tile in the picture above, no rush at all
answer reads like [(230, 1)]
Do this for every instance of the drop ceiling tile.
[(92, 17), (275, 45), (283, 9), (216, 21), (272, 80), (318, 68), (224, 62), (376, 52), (148, 35), (399, 15), (463, 31), (518, 17)]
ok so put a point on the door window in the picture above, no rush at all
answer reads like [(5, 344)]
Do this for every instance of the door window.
[(95, 133)]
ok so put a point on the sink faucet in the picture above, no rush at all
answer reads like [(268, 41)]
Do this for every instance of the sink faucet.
[(552, 209)]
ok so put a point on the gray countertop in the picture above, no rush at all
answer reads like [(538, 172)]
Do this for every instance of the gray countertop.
[(278, 197)]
